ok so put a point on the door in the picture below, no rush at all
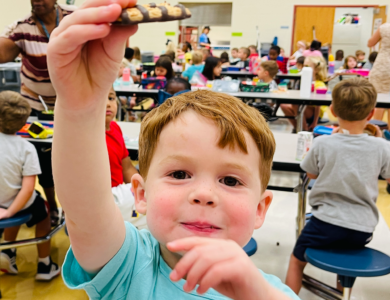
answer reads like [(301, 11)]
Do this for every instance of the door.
[(380, 17), (309, 17)]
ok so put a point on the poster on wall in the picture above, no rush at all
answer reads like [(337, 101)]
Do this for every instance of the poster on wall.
[(377, 24), (70, 2)]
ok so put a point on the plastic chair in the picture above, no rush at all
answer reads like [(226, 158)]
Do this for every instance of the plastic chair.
[(15, 221), (251, 247), (347, 264)]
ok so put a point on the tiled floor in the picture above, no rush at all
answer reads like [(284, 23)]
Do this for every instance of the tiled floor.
[(275, 242)]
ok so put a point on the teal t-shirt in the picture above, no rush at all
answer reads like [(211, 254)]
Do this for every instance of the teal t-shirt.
[(139, 272), (191, 71)]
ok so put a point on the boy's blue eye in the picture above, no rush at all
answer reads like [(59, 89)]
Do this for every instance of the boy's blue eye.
[(230, 181), (179, 175)]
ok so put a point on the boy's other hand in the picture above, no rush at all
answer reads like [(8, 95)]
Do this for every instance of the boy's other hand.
[(219, 264), (4, 214), (85, 52), (378, 132)]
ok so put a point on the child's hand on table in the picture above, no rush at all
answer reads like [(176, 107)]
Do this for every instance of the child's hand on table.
[(221, 265), (85, 52)]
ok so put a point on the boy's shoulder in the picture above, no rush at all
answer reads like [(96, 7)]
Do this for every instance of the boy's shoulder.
[(15, 141)]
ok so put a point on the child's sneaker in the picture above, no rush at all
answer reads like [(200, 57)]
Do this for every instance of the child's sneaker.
[(8, 262), (47, 272)]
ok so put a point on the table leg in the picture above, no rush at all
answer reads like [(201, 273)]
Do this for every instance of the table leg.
[(302, 198), (300, 117)]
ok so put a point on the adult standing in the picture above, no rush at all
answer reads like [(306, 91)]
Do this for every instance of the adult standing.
[(380, 73), (29, 37), (204, 40)]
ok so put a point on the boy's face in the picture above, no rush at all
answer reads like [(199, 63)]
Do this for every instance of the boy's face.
[(299, 66), (195, 188), (242, 54), (252, 50), (361, 57), (111, 107), (262, 74), (273, 55), (234, 53)]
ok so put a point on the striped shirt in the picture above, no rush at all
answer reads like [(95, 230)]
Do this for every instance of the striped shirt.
[(34, 74)]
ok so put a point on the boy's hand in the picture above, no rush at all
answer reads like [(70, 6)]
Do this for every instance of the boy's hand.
[(85, 52), (4, 213), (378, 132), (218, 264)]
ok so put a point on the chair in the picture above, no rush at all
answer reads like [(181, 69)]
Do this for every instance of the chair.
[(22, 219), (251, 247), (347, 264)]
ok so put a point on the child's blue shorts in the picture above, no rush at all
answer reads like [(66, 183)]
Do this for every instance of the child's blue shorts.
[(322, 235)]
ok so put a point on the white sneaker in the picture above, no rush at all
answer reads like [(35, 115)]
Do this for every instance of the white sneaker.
[(47, 272), (8, 262)]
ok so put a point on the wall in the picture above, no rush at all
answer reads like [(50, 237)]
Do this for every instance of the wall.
[(363, 31), (274, 18)]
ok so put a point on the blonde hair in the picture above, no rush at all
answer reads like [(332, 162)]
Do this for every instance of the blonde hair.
[(320, 68), (271, 67), (14, 111), (171, 47), (359, 52), (354, 99), (137, 53), (345, 66), (231, 116), (197, 57)]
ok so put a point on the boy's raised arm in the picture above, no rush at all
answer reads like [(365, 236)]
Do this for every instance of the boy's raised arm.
[(84, 55)]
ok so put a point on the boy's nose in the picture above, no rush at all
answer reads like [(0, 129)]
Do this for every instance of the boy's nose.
[(204, 195)]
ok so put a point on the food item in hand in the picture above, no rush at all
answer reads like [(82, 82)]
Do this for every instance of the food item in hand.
[(48, 112), (370, 129), (153, 13)]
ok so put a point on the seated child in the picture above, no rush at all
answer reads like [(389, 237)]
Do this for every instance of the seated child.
[(234, 56), (312, 113), (274, 54), (225, 59), (350, 63), (243, 55), (129, 55), (253, 51), (361, 58), (346, 166), (212, 68), (371, 59), (172, 55), (299, 64), (314, 50), (163, 68), (205, 160), (19, 167), (206, 53), (299, 53), (267, 72), (121, 167), (176, 85), (197, 65)]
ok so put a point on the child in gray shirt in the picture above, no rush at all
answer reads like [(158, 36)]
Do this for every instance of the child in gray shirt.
[(346, 166)]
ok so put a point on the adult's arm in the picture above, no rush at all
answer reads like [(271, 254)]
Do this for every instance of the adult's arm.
[(376, 37), (8, 50)]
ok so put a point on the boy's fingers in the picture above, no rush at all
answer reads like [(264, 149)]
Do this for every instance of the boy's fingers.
[(115, 42), (187, 244), (77, 35), (96, 3), (215, 275), (93, 15)]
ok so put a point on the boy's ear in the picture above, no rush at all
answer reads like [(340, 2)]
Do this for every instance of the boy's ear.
[(262, 208), (138, 185), (371, 115), (332, 110)]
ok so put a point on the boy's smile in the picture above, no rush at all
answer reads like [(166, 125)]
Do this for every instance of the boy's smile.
[(195, 188)]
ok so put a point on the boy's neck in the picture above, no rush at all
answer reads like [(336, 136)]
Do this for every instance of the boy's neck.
[(169, 257), (353, 127), (267, 80)]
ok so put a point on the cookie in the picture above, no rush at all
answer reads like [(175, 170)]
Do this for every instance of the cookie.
[(370, 129), (153, 13)]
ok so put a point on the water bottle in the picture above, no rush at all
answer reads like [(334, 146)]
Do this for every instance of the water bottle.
[(331, 68), (306, 82), (126, 76)]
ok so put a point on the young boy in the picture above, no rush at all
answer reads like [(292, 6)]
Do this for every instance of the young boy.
[(19, 167), (234, 56), (267, 72), (346, 166), (243, 55), (200, 189), (361, 58)]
